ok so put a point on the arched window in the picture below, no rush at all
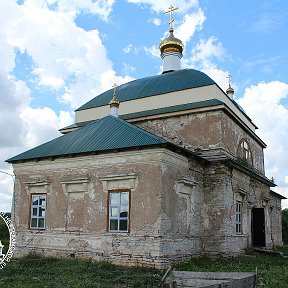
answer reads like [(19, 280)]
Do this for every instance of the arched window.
[(244, 154)]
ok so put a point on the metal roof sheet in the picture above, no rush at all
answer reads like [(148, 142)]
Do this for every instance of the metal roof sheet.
[(160, 84), (105, 134), (159, 111), (171, 109)]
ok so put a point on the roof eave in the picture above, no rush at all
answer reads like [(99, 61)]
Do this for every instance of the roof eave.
[(248, 171)]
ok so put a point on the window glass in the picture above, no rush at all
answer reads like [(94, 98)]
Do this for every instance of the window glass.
[(114, 212), (114, 198), (124, 198), (113, 225), (238, 217), (35, 200), (118, 211), (38, 211)]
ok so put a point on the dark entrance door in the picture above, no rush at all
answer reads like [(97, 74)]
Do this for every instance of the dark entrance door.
[(258, 227)]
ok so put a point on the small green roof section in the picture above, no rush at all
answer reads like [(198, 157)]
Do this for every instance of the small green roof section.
[(154, 85), (108, 133), (172, 109), (158, 111)]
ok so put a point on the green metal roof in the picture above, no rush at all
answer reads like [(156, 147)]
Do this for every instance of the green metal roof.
[(159, 111), (154, 85), (105, 134), (171, 109)]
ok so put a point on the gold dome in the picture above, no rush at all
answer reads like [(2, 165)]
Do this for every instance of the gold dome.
[(114, 102), (229, 90), (171, 44)]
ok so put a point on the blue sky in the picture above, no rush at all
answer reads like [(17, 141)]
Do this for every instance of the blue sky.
[(57, 54)]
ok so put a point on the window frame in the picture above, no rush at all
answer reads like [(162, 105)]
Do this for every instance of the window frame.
[(37, 216), (244, 151), (239, 217), (118, 217)]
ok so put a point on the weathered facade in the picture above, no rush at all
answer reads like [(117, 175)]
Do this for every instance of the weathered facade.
[(180, 173)]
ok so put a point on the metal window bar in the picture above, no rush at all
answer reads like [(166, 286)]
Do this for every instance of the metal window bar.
[(38, 211)]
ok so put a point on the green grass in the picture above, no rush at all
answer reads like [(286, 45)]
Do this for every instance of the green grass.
[(31, 272), (283, 249), (272, 270), (35, 271)]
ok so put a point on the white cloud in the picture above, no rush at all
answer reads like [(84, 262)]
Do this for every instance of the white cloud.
[(52, 81), (262, 102), (163, 5), (131, 49), (268, 22), (127, 68), (46, 127), (110, 77), (208, 50), (63, 56), (189, 25), (204, 57), (101, 8), (153, 51), (155, 21)]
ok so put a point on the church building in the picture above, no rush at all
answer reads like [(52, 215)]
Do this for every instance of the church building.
[(152, 172)]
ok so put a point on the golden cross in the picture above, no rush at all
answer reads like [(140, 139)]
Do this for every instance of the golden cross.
[(171, 9), (114, 86), (229, 79)]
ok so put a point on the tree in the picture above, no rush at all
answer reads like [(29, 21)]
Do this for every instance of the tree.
[(285, 225)]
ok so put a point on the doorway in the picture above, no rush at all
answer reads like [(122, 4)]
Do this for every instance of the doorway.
[(258, 227)]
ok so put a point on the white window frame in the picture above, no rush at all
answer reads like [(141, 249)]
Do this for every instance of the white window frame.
[(38, 208), (238, 221), (117, 206)]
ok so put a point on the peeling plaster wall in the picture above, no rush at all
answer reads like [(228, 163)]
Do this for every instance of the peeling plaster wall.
[(198, 130), (275, 219), (76, 222), (180, 207), (232, 135), (208, 131), (182, 199)]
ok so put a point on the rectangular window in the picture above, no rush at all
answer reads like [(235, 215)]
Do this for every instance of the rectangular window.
[(38, 211), (238, 217), (118, 211)]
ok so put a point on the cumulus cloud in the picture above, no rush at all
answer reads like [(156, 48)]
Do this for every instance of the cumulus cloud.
[(262, 102), (163, 5), (155, 21), (152, 51), (101, 8), (204, 57), (131, 49), (63, 57), (190, 23)]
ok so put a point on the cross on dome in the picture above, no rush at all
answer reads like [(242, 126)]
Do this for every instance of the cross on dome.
[(115, 87), (114, 103), (170, 11), (229, 79), (229, 90)]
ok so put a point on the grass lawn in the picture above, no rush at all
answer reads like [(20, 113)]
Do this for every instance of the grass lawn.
[(43, 272), (272, 270), (32, 272)]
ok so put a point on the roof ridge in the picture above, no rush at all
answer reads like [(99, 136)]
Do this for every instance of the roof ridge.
[(152, 85), (93, 137)]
